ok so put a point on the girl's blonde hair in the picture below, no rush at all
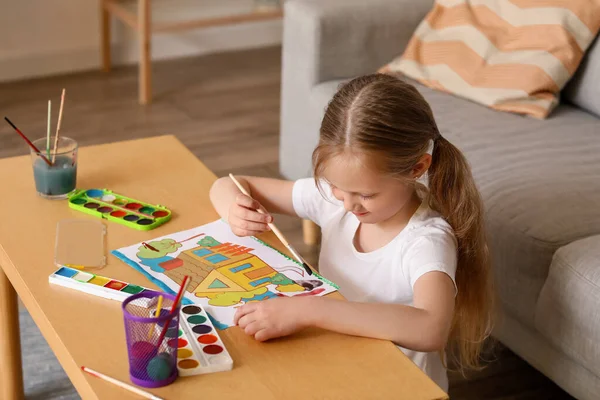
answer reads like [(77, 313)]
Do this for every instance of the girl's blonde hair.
[(386, 118)]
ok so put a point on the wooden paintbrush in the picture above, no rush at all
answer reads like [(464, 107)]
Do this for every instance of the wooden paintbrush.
[(120, 384), (60, 114), (276, 231), (28, 141)]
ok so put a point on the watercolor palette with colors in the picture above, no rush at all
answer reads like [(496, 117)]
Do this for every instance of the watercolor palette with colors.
[(133, 213), (199, 347)]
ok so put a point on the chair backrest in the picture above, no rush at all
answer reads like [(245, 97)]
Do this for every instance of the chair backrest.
[(584, 88)]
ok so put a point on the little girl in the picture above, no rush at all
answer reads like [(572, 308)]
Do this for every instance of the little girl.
[(411, 258)]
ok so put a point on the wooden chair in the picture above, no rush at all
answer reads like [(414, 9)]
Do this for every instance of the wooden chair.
[(142, 23)]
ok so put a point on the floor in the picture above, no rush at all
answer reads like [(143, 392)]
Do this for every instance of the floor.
[(224, 108)]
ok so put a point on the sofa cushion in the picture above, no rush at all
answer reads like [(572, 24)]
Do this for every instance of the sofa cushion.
[(584, 88), (568, 309), (540, 181), (510, 56)]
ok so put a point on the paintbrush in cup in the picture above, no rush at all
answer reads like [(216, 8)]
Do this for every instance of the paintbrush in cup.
[(48, 128), (156, 314), (60, 114), (28, 141), (176, 304)]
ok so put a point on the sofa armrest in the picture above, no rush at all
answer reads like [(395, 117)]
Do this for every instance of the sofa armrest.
[(336, 39)]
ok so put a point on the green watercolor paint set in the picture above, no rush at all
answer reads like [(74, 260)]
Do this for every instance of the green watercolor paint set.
[(114, 207)]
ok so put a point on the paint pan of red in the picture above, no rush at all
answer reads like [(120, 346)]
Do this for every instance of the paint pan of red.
[(133, 206), (213, 349)]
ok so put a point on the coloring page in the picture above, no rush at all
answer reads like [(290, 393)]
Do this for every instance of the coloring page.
[(225, 270)]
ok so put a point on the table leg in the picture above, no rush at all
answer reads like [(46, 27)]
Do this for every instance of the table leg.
[(105, 37), (11, 370), (144, 32)]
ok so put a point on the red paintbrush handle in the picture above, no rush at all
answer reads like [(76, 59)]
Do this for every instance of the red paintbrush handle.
[(28, 141), (173, 308), (163, 333)]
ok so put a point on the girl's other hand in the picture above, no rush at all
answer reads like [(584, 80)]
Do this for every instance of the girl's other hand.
[(244, 218), (273, 318)]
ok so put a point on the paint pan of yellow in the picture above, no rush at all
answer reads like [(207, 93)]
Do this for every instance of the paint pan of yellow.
[(99, 280)]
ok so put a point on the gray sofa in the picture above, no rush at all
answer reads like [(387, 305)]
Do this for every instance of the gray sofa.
[(540, 180)]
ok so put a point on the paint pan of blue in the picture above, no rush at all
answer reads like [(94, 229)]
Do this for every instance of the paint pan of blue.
[(94, 193), (67, 272)]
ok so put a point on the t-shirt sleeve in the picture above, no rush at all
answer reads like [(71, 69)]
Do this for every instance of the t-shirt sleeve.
[(434, 250), (310, 203)]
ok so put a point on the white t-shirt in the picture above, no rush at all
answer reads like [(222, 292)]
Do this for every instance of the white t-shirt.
[(388, 274)]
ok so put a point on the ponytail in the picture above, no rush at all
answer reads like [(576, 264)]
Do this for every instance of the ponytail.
[(452, 192)]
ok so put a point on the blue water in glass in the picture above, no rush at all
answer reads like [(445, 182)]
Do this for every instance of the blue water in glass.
[(55, 180)]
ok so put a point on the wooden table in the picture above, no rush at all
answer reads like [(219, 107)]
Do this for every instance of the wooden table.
[(87, 330)]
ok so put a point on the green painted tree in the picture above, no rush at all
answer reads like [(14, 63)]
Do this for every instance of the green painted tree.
[(160, 248), (281, 279), (208, 241)]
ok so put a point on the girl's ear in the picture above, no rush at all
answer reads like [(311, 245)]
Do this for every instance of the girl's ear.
[(421, 166)]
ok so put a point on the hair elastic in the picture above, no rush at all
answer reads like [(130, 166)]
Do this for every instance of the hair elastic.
[(430, 147)]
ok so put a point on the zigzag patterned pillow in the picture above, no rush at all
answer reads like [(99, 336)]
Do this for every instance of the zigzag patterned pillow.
[(510, 55)]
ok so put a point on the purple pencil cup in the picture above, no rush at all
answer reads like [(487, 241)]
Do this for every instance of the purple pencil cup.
[(151, 364)]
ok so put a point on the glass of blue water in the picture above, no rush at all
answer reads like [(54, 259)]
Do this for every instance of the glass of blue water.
[(56, 181)]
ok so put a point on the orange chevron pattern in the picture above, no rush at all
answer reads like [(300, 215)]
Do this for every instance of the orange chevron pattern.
[(510, 55)]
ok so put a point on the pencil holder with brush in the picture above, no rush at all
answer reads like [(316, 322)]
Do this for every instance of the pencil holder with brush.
[(152, 330)]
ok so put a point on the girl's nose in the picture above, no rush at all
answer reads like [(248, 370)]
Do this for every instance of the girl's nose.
[(349, 204)]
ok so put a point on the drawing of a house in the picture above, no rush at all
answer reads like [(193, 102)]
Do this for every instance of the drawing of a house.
[(222, 268)]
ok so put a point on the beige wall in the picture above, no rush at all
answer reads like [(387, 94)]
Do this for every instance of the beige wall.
[(44, 37)]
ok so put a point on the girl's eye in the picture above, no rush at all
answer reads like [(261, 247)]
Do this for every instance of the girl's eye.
[(367, 197)]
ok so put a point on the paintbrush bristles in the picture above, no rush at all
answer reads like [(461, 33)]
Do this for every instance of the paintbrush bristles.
[(60, 113)]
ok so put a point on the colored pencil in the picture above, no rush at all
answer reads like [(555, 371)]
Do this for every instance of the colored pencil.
[(28, 141), (123, 385), (156, 314), (176, 303), (60, 113), (276, 231), (48, 129)]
